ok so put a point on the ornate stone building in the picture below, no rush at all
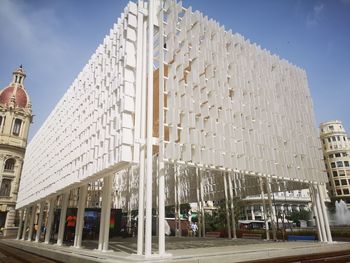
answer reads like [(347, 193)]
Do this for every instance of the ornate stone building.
[(336, 151), (15, 118)]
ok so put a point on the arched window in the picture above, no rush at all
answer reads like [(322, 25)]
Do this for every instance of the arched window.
[(5, 187), (9, 165), (17, 127)]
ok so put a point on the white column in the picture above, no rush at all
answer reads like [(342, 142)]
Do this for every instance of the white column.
[(233, 220), (199, 204), (316, 215), (264, 211), (108, 180), (273, 216), (50, 220), (178, 186), (320, 214), (80, 216), (226, 206), (322, 192), (40, 221), (21, 217), (203, 203), (141, 64), (252, 212), (62, 224), (31, 224), (176, 200), (148, 235), (103, 215), (161, 181), (25, 223)]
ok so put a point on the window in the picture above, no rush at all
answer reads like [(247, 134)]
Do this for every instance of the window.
[(333, 164), (338, 138), (339, 192), (323, 141), (341, 173), (339, 164), (336, 182), (337, 155), (17, 127), (343, 182), (346, 191), (9, 165), (329, 139), (0, 121), (5, 187), (335, 174), (331, 127), (333, 138), (345, 154), (346, 163), (344, 138)]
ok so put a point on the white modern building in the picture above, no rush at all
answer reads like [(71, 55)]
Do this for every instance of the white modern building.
[(336, 152), (170, 109)]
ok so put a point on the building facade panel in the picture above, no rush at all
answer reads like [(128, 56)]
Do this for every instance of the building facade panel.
[(229, 102), (91, 128)]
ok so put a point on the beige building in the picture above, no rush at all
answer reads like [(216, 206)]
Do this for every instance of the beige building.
[(15, 118), (336, 151)]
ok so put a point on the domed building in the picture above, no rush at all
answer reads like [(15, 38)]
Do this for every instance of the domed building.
[(15, 118)]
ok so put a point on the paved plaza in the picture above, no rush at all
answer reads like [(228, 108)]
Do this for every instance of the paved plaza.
[(180, 249)]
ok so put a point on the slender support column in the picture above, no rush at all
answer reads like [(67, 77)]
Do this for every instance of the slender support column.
[(80, 216), (40, 221), (202, 200), (264, 208), (252, 212), (148, 235), (108, 202), (50, 220), (130, 176), (226, 207), (316, 215), (103, 215), (233, 220), (31, 224), (199, 204), (161, 181), (273, 224), (25, 223), (65, 199), (21, 217), (322, 191), (176, 202), (141, 64), (320, 214)]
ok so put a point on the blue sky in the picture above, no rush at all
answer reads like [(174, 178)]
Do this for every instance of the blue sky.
[(54, 40)]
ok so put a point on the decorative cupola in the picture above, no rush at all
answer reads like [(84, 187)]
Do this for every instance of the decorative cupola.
[(15, 94)]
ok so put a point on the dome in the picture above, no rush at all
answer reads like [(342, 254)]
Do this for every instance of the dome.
[(19, 94), (15, 93)]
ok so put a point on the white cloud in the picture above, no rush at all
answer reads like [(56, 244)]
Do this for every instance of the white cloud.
[(313, 18)]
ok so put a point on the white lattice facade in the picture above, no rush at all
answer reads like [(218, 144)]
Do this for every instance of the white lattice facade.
[(91, 128)]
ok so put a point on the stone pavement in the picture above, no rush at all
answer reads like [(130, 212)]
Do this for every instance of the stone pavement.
[(180, 249)]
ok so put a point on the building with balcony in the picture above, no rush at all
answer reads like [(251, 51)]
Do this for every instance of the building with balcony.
[(336, 151), (15, 118)]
